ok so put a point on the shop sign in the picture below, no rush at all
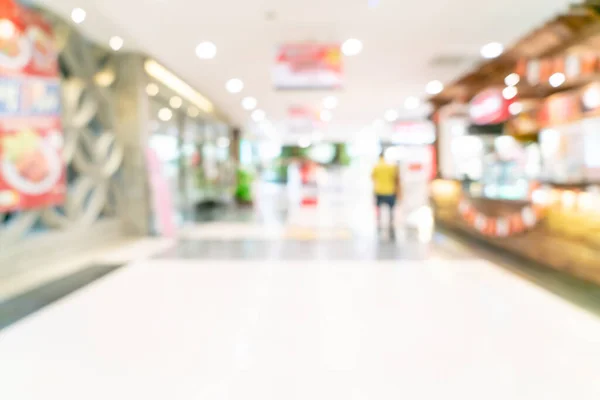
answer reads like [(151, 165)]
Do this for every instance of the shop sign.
[(32, 170), (308, 66), (489, 108), (413, 133), (559, 109)]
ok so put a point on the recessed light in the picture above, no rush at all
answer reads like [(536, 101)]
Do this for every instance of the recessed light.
[(509, 92), (373, 3), (258, 115), (249, 103), (352, 47), (434, 87), (193, 112), (330, 102), (152, 89), (515, 108), (176, 102), (512, 79), (391, 115), (234, 85), (492, 50), (116, 43), (165, 114), (412, 103), (206, 50), (557, 79), (326, 116), (78, 15)]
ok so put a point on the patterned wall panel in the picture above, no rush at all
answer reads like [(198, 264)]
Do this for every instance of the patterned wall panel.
[(91, 150)]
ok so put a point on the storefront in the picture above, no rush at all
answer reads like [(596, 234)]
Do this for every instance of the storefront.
[(192, 145), (521, 168)]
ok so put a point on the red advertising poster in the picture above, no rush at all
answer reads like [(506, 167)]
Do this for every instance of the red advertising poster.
[(308, 66), (32, 171)]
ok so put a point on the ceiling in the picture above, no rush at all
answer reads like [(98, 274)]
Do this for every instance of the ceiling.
[(401, 42)]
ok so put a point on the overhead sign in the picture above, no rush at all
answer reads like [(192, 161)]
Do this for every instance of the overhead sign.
[(32, 171), (489, 108), (308, 66)]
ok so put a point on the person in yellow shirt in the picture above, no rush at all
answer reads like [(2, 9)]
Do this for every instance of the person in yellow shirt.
[(386, 183)]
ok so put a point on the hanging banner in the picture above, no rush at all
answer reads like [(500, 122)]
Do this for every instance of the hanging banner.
[(32, 171), (308, 66)]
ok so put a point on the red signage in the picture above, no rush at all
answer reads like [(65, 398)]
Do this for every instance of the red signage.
[(32, 171), (489, 108), (308, 66), (559, 109)]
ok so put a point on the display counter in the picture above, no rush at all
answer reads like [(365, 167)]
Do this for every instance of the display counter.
[(559, 226)]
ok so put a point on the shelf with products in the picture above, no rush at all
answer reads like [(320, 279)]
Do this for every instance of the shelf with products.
[(519, 152)]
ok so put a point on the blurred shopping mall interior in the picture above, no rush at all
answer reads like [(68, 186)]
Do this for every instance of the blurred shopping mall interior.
[(275, 199)]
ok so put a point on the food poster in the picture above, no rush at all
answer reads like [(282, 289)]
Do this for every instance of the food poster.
[(32, 170)]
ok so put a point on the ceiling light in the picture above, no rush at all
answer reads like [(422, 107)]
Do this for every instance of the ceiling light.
[(373, 3), (249, 103), (193, 112), (434, 87), (105, 78), (165, 114), (591, 98), (515, 108), (116, 43), (330, 102), (326, 116), (234, 85), (7, 29), (352, 47), (492, 50), (176, 102), (206, 50), (152, 89), (258, 115), (509, 92), (412, 103), (512, 79), (391, 115), (557, 79), (170, 80), (78, 15)]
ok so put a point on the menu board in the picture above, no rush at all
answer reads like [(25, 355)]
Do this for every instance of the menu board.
[(32, 171)]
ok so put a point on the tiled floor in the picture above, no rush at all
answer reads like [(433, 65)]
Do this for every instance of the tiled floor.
[(246, 315)]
